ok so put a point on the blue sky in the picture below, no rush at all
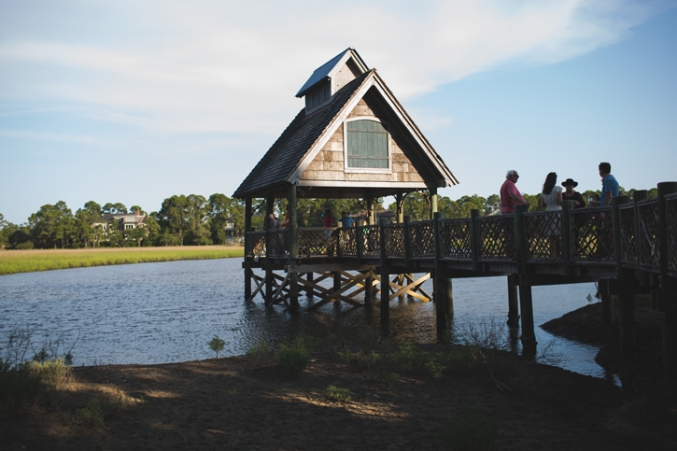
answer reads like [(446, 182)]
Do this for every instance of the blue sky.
[(133, 102)]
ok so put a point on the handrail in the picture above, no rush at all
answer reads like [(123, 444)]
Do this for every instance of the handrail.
[(589, 236)]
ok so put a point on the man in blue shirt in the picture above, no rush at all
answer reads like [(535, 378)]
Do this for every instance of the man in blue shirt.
[(347, 221), (610, 187)]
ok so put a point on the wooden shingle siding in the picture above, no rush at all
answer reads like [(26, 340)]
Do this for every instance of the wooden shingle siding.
[(329, 164)]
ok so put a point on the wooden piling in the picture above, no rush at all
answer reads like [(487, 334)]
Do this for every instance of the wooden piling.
[(385, 279), (605, 297), (513, 309), (669, 287), (626, 280), (525, 301), (309, 288)]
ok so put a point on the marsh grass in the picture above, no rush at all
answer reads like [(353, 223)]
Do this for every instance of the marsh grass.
[(338, 394), (12, 262), (292, 358), (260, 354)]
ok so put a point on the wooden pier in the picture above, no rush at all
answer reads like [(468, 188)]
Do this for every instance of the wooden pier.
[(629, 248), (354, 140)]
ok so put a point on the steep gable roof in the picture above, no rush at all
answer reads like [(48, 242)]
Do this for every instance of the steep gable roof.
[(302, 140), (273, 170), (327, 70)]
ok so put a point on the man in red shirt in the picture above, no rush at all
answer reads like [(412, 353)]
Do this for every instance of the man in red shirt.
[(510, 195)]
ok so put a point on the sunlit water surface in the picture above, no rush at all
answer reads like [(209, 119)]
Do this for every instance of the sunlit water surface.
[(167, 312)]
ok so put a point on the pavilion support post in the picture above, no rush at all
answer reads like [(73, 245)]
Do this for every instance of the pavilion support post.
[(626, 314), (293, 291), (449, 289), (309, 288), (433, 202), (369, 288), (337, 280), (399, 204), (385, 281), (626, 296), (247, 246), (605, 296), (268, 296), (513, 308), (370, 209), (526, 307), (668, 288), (293, 248), (440, 282)]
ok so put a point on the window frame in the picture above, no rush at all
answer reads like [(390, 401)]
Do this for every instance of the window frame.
[(348, 168)]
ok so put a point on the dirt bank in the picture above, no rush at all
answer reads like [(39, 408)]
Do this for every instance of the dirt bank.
[(236, 403)]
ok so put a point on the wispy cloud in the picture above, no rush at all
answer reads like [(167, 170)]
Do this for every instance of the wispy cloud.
[(234, 66)]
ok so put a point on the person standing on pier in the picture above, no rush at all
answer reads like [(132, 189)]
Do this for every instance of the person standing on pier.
[(571, 194), (610, 187), (510, 195)]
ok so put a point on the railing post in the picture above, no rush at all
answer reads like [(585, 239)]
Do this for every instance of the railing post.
[(616, 202), (567, 206), (521, 243), (407, 239), (439, 284), (668, 303), (475, 239), (639, 195), (359, 241), (664, 189), (385, 279)]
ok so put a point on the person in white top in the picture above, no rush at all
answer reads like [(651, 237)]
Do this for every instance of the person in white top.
[(551, 199)]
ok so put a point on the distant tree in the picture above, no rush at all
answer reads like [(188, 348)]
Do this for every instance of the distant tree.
[(174, 217), (153, 228), (114, 208), (51, 225), (137, 235), (198, 227)]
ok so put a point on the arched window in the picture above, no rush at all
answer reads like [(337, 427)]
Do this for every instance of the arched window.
[(366, 145)]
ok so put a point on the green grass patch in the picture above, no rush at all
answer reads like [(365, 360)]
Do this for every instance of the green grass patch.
[(338, 394), (16, 261)]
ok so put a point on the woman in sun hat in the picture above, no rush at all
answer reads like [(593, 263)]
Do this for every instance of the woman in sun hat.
[(570, 194)]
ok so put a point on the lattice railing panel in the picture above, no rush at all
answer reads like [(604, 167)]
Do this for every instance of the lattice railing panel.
[(455, 238), (649, 255), (422, 239), (316, 241), (628, 243), (256, 244), (394, 240), (671, 213), (497, 237), (592, 234), (543, 232), (346, 241), (278, 243), (371, 235)]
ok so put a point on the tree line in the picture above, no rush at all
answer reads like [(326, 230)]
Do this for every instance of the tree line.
[(197, 220)]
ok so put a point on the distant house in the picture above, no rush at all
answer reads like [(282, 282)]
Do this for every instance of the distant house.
[(125, 221)]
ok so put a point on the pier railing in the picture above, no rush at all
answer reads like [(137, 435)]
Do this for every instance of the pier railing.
[(627, 233)]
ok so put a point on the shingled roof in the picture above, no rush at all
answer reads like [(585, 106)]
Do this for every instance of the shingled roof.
[(272, 171), (310, 131)]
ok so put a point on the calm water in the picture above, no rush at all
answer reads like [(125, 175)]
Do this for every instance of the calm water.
[(167, 312)]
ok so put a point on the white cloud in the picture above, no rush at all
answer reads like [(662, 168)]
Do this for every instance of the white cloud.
[(235, 66)]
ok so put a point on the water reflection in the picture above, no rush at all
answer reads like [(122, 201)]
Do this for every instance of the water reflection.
[(168, 312)]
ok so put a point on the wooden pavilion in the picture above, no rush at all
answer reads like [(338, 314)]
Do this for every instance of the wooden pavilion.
[(353, 139)]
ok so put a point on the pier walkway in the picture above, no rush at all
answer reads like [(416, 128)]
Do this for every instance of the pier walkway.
[(629, 247)]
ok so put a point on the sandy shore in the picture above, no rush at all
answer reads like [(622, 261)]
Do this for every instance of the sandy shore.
[(237, 403)]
